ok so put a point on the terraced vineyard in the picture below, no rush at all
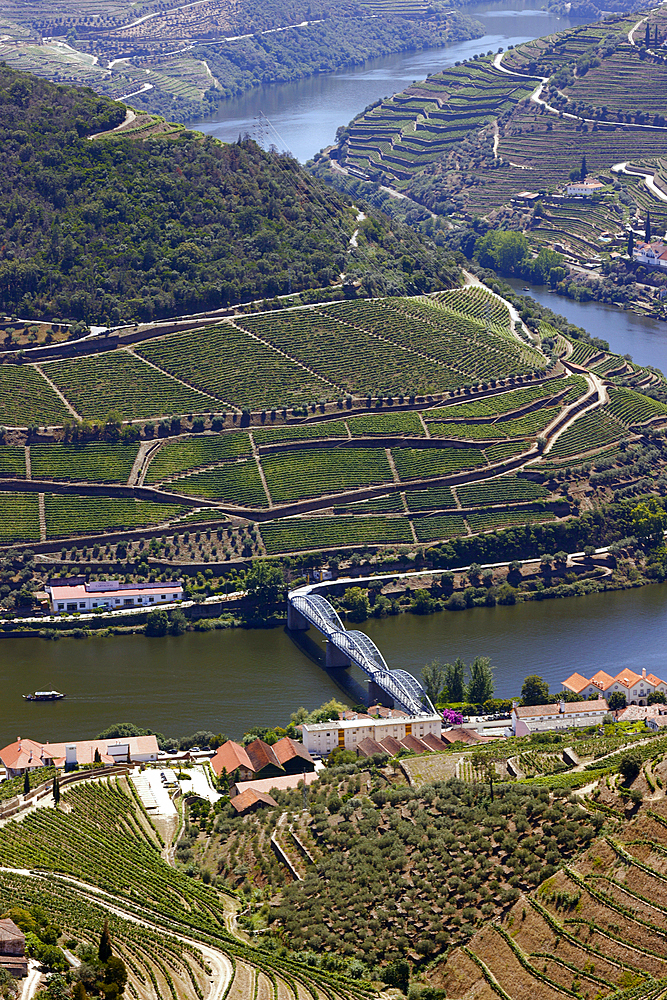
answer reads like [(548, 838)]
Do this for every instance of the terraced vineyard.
[(633, 408), (485, 520), (235, 368), (27, 399), (293, 535), (431, 529), (123, 383), (434, 498), (233, 483), (94, 461), (291, 475), (300, 432), (12, 461), (19, 517), (506, 489), (189, 453), (387, 423), (412, 463), (81, 515), (589, 432)]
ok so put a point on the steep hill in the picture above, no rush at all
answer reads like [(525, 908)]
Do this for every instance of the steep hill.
[(116, 228)]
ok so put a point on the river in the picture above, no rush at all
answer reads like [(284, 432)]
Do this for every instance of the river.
[(230, 681), (305, 115)]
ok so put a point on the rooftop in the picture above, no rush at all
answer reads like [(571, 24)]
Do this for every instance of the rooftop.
[(322, 727), (599, 705), (250, 797), (78, 591)]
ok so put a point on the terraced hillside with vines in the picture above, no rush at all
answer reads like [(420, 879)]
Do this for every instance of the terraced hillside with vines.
[(97, 856), (472, 139), (391, 423)]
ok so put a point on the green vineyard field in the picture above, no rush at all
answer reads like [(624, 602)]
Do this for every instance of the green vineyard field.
[(27, 399), (590, 431), (292, 475), (121, 382), (233, 483), (236, 368), (93, 462), (12, 461), (413, 463), (386, 423), (300, 432), (19, 517), (506, 489), (191, 452), (324, 532), (73, 515), (431, 529), (435, 498)]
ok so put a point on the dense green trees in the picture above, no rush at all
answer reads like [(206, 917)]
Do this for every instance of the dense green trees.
[(120, 229), (535, 691), (434, 679)]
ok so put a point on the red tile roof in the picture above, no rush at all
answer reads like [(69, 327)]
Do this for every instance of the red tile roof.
[(602, 680), (566, 708), (262, 755), (576, 682), (433, 742), (250, 797), (286, 749), (369, 747), (230, 756), (391, 745), (413, 744), (627, 678), (459, 735)]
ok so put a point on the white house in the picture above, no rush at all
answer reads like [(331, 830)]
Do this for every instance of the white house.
[(110, 595), (562, 715), (635, 687), (323, 737), (583, 189), (652, 254)]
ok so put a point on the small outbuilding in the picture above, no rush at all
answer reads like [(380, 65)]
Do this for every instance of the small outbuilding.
[(12, 949), (250, 800)]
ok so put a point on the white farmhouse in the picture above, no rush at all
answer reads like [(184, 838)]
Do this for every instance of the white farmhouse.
[(652, 254), (323, 737), (583, 189), (110, 595), (562, 715)]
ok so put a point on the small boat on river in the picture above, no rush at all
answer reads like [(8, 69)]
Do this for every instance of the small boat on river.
[(44, 696)]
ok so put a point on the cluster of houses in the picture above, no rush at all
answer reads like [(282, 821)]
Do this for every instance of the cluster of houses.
[(252, 771), (27, 755), (634, 687), (387, 732)]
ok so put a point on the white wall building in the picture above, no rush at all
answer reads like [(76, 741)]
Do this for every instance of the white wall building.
[(562, 715), (323, 737), (583, 189), (110, 595), (651, 254)]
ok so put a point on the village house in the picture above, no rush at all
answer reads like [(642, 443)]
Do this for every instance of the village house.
[(652, 254), (635, 687), (323, 737), (28, 755), (583, 189), (12, 949), (110, 595)]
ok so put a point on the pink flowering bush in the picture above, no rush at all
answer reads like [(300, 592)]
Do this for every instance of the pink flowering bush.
[(452, 718)]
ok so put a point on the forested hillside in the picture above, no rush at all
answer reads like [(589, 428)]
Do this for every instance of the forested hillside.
[(116, 228)]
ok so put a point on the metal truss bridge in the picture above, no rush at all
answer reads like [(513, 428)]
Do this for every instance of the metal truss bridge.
[(350, 646)]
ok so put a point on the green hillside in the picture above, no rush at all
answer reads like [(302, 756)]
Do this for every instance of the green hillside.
[(117, 229)]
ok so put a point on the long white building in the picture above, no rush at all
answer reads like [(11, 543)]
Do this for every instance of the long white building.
[(635, 687), (323, 737), (562, 715), (110, 595)]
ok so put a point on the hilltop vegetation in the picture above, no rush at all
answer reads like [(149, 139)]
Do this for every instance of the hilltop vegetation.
[(117, 229)]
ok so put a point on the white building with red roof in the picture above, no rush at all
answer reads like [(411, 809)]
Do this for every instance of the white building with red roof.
[(110, 595), (561, 715), (27, 755), (635, 687), (652, 254)]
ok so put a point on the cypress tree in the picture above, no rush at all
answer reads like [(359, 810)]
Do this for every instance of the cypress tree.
[(26, 782), (631, 243), (56, 790), (584, 168), (655, 43), (647, 228), (648, 35), (104, 951)]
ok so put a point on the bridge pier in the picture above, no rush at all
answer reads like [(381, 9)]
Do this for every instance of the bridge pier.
[(377, 696), (335, 657), (296, 622)]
